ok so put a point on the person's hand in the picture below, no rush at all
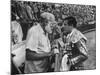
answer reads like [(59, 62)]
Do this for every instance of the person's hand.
[(73, 61), (51, 53), (56, 51)]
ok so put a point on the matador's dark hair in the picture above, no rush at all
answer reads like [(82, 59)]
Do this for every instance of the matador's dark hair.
[(71, 21)]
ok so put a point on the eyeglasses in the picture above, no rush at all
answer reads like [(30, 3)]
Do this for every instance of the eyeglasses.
[(52, 24)]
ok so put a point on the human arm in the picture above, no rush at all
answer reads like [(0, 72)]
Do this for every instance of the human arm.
[(81, 46), (32, 43), (32, 55)]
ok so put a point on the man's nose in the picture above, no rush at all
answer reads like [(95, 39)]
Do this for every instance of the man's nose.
[(52, 26)]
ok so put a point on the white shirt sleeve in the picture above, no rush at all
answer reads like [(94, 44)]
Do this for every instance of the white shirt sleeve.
[(32, 40)]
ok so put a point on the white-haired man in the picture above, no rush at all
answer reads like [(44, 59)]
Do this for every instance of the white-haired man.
[(38, 48)]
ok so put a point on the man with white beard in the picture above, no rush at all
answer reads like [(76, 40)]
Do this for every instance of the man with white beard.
[(38, 48)]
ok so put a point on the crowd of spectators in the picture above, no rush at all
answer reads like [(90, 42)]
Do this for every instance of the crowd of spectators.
[(29, 12)]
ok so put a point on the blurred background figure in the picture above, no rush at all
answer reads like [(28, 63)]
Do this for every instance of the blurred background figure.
[(16, 31)]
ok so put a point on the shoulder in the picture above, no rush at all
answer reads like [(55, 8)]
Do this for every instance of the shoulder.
[(32, 33), (15, 25), (34, 29), (76, 36)]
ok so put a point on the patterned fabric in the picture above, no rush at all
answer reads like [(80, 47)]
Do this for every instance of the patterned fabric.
[(77, 41), (75, 36)]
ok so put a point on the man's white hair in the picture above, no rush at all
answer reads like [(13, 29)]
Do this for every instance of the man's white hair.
[(48, 16)]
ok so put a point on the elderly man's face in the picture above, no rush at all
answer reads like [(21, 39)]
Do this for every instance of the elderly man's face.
[(49, 27)]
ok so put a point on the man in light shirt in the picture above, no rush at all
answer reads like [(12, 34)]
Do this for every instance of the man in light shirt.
[(38, 48)]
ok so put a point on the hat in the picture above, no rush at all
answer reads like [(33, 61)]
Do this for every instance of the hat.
[(48, 16)]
